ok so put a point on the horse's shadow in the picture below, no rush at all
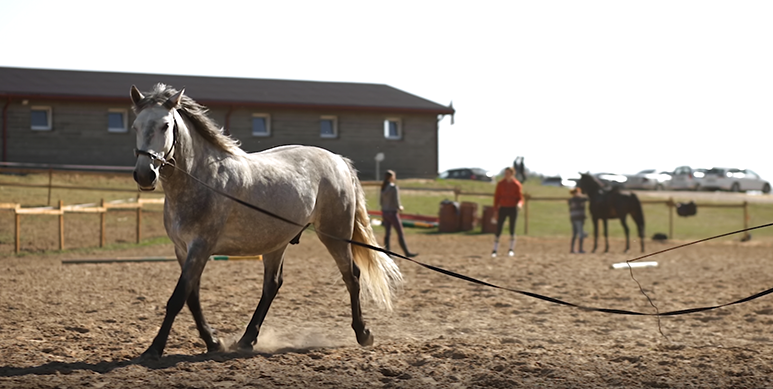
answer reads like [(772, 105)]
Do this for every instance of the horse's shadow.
[(164, 362)]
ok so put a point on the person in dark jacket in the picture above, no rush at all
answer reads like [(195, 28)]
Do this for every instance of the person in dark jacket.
[(390, 208)]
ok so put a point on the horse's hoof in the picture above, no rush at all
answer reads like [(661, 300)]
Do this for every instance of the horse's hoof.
[(215, 347), (242, 347), (365, 339), (151, 354)]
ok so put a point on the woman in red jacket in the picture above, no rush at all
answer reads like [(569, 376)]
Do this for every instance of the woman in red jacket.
[(508, 198)]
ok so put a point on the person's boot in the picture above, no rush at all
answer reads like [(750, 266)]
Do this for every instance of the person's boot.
[(405, 249), (581, 250)]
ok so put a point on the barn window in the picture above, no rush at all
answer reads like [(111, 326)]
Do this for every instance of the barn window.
[(328, 127), (40, 118), (261, 124), (393, 129), (117, 120)]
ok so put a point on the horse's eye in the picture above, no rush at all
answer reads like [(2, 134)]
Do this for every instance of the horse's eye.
[(165, 127)]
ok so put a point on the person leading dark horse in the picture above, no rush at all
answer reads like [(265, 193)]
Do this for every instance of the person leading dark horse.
[(611, 204)]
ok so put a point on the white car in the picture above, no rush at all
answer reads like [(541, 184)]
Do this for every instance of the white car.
[(734, 180), (685, 178), (650, 179)]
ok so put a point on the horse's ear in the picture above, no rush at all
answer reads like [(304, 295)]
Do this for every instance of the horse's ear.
[(136, 95), (174, 101)]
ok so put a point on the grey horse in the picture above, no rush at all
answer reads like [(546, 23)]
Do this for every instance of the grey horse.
[(308, 185)]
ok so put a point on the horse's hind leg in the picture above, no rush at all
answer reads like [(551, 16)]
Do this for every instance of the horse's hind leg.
[(606, 236), (342, 253), (595, 234), (272, 281)]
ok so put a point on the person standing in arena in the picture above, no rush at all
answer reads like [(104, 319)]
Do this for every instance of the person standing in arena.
[(390, 209), (577, 217), (508, 198)]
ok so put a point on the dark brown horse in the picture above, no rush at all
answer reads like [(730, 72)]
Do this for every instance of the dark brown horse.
[(611, 204)]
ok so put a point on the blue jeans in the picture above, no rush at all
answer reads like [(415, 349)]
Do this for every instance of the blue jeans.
[(577, 231)]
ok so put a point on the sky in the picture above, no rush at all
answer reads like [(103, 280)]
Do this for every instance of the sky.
[(600, 86)]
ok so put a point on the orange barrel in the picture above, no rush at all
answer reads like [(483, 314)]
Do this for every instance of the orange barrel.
[(487, 226), (469, 216), (449, 217)]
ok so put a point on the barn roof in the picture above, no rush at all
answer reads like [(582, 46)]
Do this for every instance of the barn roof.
[(114, 86)]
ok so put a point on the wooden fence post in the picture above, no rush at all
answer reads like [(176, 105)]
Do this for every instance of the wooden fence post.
[(102, 224), (139, 219), (50, 178), (746, 219), (670, 204), (526, 214), (18, 232), (61, 226)]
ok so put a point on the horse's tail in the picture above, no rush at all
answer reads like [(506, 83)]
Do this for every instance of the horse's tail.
[(379, 274)]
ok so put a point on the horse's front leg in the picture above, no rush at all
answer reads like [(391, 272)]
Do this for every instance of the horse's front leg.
[(627, 239), (196, 259), (595, 234), (272, 281), (606, 236), (205, 331)]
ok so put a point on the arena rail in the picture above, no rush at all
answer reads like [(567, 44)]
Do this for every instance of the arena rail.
[(128, 204)]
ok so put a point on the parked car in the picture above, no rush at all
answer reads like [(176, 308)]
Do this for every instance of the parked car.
[(734, 180), (567, 180), (552, 181), (467, 174), (685, 178), (649, 179), (611, 179)]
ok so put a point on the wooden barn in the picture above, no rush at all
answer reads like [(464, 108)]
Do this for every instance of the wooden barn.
[(83, 117)]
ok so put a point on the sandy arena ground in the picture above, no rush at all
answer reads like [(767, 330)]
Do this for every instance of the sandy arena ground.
[(82, 326)]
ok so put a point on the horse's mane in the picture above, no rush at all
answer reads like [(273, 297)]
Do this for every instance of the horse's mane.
[(195, 113)]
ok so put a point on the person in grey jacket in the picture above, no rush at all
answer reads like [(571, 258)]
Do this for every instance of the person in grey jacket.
[(390, 208)]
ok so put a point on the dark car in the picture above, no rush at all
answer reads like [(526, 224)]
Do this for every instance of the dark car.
[(467, 174)]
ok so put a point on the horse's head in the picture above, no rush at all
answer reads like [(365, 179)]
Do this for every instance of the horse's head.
[(155, 128), (588, 183)]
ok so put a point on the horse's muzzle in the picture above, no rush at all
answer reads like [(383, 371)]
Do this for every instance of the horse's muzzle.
[(145, 175)]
